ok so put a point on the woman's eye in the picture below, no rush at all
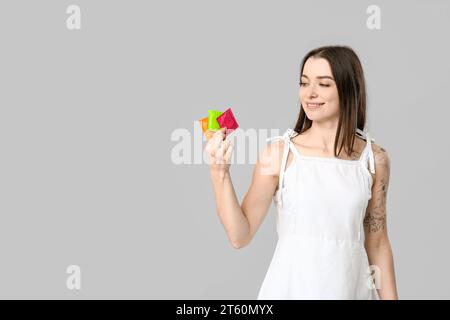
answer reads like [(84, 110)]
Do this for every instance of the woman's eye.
[(322, 84)]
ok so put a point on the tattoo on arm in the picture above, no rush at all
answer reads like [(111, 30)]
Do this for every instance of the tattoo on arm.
[(375, 219)]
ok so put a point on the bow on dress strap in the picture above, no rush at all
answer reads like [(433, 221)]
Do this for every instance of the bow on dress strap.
[(369, 140), (287, 140)]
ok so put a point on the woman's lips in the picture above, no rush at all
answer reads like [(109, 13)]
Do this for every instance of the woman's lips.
[(314, 105)]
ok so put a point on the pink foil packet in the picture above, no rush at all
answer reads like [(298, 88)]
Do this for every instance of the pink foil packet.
[(227, 119)]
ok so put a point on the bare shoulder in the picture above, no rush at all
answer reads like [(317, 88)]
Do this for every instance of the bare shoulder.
[(382, 161), (381, 155), (269, 162)]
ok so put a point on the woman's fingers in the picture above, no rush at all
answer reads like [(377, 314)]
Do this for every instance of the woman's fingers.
[(213, 143), (217, 142), (220, 151), (220, 134), (219, 148), (217, 139), (228, 153), (209, 135)]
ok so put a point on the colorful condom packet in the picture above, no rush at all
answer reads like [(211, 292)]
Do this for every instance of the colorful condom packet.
[(217, 120), (204, 124), (227, 120), (213, 125)]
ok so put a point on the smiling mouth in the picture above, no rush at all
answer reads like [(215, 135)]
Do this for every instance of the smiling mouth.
[(314, 105)]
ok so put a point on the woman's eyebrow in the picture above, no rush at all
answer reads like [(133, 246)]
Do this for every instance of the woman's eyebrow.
[(319, 77)]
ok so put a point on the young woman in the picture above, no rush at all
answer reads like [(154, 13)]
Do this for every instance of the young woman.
[(329, 181)]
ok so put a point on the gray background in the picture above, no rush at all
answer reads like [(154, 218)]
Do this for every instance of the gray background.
[(86, 118)]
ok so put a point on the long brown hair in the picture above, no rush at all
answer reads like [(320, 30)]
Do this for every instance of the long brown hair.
[(349, 77)]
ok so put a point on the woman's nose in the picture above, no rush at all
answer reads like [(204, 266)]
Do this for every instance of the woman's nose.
[(310, 91)]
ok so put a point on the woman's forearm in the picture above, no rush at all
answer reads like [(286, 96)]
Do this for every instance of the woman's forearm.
[(381, 257), (229, 210)]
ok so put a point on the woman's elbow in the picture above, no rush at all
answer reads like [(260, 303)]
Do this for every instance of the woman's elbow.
[(239, 244)]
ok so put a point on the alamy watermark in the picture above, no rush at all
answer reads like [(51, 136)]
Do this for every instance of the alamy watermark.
[(73, 281), (189, 145)]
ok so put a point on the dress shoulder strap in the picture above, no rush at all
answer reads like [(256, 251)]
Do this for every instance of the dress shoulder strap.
[(367, 152), (286, 137)]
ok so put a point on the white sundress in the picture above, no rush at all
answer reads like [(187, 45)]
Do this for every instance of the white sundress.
[(321, 203)]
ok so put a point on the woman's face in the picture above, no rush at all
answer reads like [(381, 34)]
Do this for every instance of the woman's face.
[(317, 86)]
